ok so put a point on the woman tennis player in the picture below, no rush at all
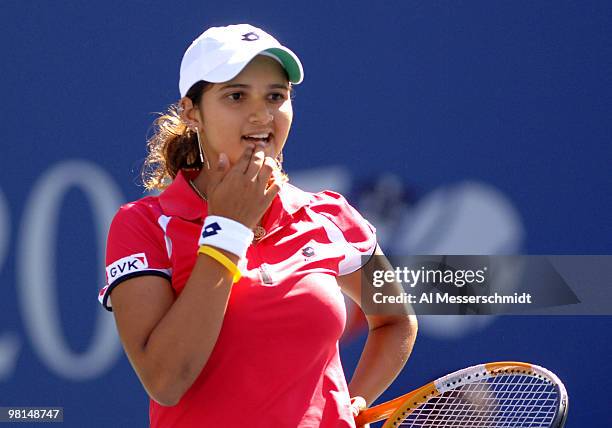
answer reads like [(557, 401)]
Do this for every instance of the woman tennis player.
[(230, 305)]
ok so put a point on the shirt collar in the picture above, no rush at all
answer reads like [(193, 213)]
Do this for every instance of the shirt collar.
[(180, 200)]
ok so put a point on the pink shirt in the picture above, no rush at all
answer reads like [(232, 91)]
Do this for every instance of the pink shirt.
[(276, 361)]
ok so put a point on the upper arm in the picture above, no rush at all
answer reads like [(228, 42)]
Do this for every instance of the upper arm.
[(351, 285), (138, 272), (138, 306)]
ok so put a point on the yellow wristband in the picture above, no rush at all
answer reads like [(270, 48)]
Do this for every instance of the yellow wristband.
[(223, 259)]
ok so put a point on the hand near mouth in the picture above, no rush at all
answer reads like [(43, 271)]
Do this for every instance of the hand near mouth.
[(244, 191)]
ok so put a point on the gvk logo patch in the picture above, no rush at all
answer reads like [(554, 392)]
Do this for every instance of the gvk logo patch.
[(129, 264)]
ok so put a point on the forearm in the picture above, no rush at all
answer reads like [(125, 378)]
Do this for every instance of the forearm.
[(384, 355), (180, 345)]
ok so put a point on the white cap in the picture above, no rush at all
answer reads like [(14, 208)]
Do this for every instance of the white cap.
[(220, 54)]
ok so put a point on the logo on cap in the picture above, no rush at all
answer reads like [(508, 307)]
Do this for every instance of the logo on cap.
[(250, 36), (211, 229)]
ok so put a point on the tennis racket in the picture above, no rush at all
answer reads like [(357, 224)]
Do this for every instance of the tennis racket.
[(493, 395)]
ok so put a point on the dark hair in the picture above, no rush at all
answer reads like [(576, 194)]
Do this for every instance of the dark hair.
[(173, 146)]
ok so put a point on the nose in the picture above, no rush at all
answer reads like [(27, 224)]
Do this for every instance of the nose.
[(261, 114)]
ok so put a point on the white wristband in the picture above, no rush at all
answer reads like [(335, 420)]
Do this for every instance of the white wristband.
[(226, 234)]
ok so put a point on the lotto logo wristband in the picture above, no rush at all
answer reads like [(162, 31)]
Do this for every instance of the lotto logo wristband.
[(226, 234)]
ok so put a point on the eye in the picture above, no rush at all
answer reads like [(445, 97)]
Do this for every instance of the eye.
[(235, 96), (277, 96)]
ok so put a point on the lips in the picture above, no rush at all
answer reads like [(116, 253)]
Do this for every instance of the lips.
[(266, 137)]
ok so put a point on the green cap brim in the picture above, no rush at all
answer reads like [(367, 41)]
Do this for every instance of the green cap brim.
[(291, 63)]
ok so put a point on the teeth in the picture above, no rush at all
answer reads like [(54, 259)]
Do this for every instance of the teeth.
[(259, 135)]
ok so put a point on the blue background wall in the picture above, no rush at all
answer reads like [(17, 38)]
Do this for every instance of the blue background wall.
[(454, 126)]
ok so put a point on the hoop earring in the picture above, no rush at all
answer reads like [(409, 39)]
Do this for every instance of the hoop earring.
[(204, 161)]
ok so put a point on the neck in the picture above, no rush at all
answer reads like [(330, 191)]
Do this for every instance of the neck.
[(201, 181)]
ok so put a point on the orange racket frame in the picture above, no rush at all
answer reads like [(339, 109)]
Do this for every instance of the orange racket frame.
[(398, 409)]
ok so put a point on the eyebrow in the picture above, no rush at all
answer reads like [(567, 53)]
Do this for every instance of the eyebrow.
[(243, 86)]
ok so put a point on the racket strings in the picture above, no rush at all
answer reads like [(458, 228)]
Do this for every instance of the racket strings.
[(502, 401)]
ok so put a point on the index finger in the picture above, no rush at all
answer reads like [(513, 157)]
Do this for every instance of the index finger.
[(245, 160), (257, 160)]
